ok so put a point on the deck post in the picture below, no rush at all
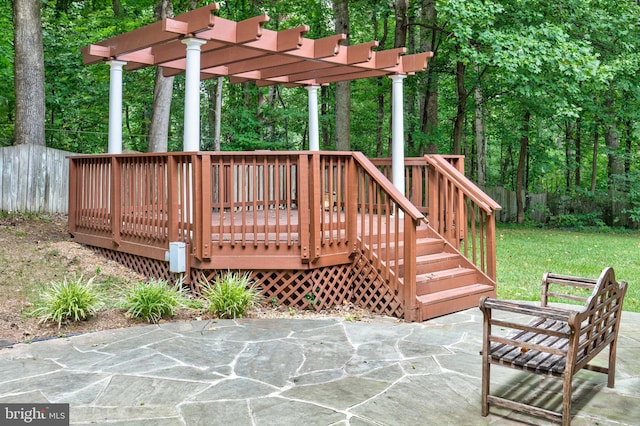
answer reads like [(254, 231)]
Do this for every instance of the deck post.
[(397, 133), (73, 195), (115, 107), (116, 200), (411, 309), (314, 134), (191, 141), (315, 207)]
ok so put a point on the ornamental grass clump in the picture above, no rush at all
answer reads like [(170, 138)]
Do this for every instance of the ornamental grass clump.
[(70, 300), (154, 300), (231, 295)]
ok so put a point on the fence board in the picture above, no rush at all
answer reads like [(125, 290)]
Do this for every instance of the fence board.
[(34, 179)]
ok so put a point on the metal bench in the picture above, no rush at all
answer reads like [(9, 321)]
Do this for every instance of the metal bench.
[(551, 340)]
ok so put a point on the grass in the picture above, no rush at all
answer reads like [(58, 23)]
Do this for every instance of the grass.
[(524, 254), (154, 300), (230, 295), (68, 300)]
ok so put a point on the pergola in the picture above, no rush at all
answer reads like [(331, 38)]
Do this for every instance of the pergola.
[(204, 46)]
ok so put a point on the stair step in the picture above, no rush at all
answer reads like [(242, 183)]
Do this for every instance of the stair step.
[(424, 246), (430, 263), (453, 300), (445, 279)]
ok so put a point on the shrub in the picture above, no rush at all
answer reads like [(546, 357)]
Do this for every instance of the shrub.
[(69, 300), (154, 300), (231, 295)]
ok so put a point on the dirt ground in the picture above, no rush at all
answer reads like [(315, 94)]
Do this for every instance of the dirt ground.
[(36, 251)]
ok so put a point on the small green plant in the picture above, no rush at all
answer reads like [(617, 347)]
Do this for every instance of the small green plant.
[(69, 300), (154, 300), (312, 297), (231, 295)]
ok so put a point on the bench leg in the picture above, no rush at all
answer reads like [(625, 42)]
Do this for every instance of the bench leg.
[(611, 371), (566, 399), (486, 366), (485, 387)]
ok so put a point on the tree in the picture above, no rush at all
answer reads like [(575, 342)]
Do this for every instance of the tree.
[(162, 92), (28, 73), (343, 88)]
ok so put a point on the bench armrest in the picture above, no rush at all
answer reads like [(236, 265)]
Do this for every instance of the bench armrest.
[(548, 312)]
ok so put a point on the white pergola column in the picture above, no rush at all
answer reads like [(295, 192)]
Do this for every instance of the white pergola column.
[(314, 133), (397, 132), (115, 107), (191, 141)]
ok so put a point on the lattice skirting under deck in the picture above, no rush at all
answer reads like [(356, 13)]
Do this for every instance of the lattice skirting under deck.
[(322, 288)]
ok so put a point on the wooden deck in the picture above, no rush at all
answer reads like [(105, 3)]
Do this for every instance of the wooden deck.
[(301, 223)]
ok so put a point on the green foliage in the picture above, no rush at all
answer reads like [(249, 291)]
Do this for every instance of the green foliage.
[(231, 295), (154, 300), (69, 300), (578, 221), (633, 182)]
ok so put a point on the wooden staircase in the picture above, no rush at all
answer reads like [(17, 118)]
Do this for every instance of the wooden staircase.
[(446, 281)]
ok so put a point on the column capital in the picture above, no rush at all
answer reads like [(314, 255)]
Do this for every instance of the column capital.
[(193, 42), (114, 63), (397, 77)]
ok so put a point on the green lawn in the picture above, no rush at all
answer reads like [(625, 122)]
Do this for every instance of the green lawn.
[(524, 254)]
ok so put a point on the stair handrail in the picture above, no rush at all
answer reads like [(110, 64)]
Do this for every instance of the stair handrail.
[(469, 188), (405, 205)]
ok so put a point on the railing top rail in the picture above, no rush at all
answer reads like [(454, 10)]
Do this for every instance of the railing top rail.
[(404, 204), (467, 186), (410, 161), (216, 153)]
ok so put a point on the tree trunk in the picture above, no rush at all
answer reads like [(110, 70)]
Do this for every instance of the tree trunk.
[(461, 96), (28, 73), (522, 161), (117, 8), (569, 153), (480, 132), (429, 110), (577, 177), (380, 84), (218, 114), (324, 123), (343, 88), (380, 118), (594, 158), (615, 166), (162, 93)]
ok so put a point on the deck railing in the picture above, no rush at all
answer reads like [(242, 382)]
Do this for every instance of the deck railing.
[(285, 209)]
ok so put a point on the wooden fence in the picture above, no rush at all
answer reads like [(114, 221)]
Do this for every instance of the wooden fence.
[(535, 204), (34, 179)]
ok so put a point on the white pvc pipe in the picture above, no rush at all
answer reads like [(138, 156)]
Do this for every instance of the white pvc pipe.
[(314, 133), (191, 141), (397, 132), (115, 107)]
